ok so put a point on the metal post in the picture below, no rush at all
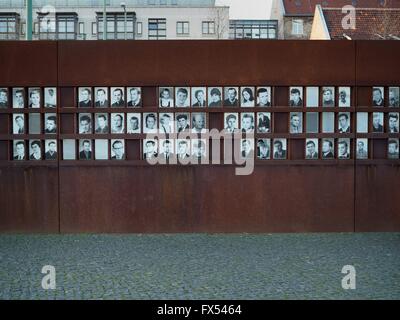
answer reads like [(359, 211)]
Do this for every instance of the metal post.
[(29, 20), (104, 20), (125, 24)]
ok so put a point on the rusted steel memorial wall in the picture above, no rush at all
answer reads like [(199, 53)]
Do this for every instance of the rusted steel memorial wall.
[(316, 121)]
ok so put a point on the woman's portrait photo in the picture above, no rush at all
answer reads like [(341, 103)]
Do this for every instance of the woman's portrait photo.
[(247, 97), (166, 99)]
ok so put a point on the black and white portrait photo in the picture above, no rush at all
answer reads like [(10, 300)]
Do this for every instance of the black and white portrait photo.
[(166, 97), (149, 148), (101, 120), (296, 96), (263, 149), (328, 148), (34, 98), (231, 121), (3, 98), (182, 97), (199, 97), (312, 97), (231, 96), (263, 122), (18, 123), (344, 96), (101, 97), (263, 97), (117, 123), (85, 149), (117, 97), (377, 122), (247, 97), (362, 149), (199, 149), (393, 148), (18, 97), (182, 122), (280, 148), (101, 149), (311, 149), (328, 96), (344, 148), (50, 97), (35, 150), (150, 122), (344, 122), (394, 93), (183, 149), (166, 123), (117, 149), (199, 122), (247, 122), (247, 148), (69, 149), (214, 96), (166, 149), (85, 123), (393, 122), (50, 149), (378, 96), (50, 120), (133, 122), (19, 150), (84, 97), (296, 122), (134, 96)]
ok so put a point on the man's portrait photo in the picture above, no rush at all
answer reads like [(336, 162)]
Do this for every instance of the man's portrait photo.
[(3, 98), (84, 97), (377, 122), (166, 149), (50, 97), (231, 97), (344, 122), (19, 150), (199, 97), (85, 123), (183, 149), (199, 122), (362, 149), (182, 97), (231, 121), (50, 123), (117, 123), (199, 149), (378, 94), (134, 96), (34, 98), (263, 149), (344, 96), (35, 151), (394, 93), (214, 96), (327, 148), (328, 96), (166, 99), (50, 149), (19, 123), (18, 98), (311, 149), (150, 122), (101, 123), (393, 148), (263, 122), (149, 149), (101, 97), (263, 97), (247, 97), (117, 97), (85, 149), (279, 148), (166, 123), (296, 96), (344, 148), (117, 149), (133, 122), (247, 122), (296, 122), (182, 122), (247, 148), (393, 122)]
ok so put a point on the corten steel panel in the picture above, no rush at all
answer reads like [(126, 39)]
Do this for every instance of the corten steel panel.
[(206, 199), (29, 199), (24, 63), (208, 62), (377, 198)]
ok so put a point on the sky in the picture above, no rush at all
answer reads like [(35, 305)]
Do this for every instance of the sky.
[(247, 9)]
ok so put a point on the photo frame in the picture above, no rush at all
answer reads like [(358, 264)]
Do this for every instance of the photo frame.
[(264, 149), (150, 122), (182, 97), (393, 122), (133, 123), (183, 121), (35, 98), (231, 96), (150, 147), (214, 96), (50, 123), (264, 122), (50, 149), (296, 96), (280, 148), (378, 96), (19, 150), (166, 97), (101, 149), (328, 97), (85, 123), (35, 150), (296, 122), (344, 96), (328, 148), (231, 121), (18, 98), (344, 148), (393, 100), (4, 99), (85, 97), (69, 149), (199, 97), (199, 122), (19, 123), (361, 148), (247, 97), (85, 149), (118, 123), (264, 97), (377, 122), (247, 148), (117, 149), (311, 149), (101, 97), (101, 123), (344, 122), (393, 148), (247, 122), (50, 97), (166, 123), (134, 97), (117, 97)]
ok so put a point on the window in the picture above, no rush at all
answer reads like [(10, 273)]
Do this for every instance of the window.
[(182, 27), (253, 29), (208, 27), (64, 26), (81, 27), (139, 28), (9, 26), (116, 25), (163, 2), (23, 27), (297, 27), (94, 28), (157, 29)]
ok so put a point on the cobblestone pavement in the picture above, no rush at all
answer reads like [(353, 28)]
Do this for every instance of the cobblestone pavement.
[(200, 266)]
